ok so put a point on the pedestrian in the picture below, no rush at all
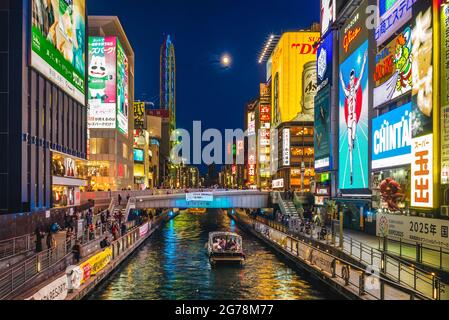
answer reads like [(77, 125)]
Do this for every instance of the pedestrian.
[(91, 232), (51, 242), (77, 251), (104, 243), (66, 220), (119, 199), (39, 237), (127, 198)]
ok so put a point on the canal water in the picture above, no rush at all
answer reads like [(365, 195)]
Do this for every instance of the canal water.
[(173, 265)]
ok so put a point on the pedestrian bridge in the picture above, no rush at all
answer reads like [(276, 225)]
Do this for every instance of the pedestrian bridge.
[(210, 200)]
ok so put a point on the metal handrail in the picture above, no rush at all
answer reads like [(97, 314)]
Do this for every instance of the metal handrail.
[(15, 246), (439, 250), (18, 275), (384, 280), (418, 274)]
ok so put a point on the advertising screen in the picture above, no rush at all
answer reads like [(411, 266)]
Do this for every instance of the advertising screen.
[(444, 20), (322, 129), (58, 33), (122, 90), (139, 115), (139, 155), (293, 52), (392, 138), (251, 123), (422, 172), (353, 120), (324, 62), (286, 147), (102, 82), (422, 69), (393, 14), (393, 69), (354, 32), (328, 13)]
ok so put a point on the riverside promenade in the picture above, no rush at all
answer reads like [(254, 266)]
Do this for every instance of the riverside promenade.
[(341, 273), (79, 279)]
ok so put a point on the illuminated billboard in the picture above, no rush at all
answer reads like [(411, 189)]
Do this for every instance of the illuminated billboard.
[(322, 129), (139, 155), (122, 90), (102, 82), (422, 69), (139, 116), (286, 147), (392, 138), (353, 120), (328, 14), (251, 123), (324, 62), (423, 161), (293, 52), (444, 20), (393, 14), (393, 69), (58, 35), (422, 172), (354, 32)]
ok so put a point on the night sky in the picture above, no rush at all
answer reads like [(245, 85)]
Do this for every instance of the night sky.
[(202, 30)]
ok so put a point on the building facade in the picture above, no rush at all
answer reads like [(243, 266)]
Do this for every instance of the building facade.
[(111, 112), (44, 115), (287, 110), (387, 166)]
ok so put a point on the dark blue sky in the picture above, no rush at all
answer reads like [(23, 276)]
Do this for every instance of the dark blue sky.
[(202, 30)]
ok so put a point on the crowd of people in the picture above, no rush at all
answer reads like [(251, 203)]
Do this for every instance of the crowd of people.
[(105, 224), (221, 244)]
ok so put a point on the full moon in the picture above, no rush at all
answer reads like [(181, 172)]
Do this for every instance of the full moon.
[(226, 60)]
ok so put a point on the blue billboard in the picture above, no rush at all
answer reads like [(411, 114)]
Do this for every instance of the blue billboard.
[(322, 126), (353, 120), (392, 138), (324, 62), (139, 155)]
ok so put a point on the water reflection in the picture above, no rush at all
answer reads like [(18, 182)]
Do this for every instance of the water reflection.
[(173, 265)]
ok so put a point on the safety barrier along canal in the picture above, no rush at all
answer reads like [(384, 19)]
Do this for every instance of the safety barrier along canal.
[(347, 279), (78, 281)]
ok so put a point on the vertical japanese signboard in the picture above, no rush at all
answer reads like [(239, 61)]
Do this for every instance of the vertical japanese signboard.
[(328, 14), (444, 94), (139, 116), (102, 82), (286, 147), (422, 172), (422, 106), (122, 90)]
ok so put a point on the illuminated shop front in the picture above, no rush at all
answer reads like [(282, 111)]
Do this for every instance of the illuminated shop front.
[(69, 178), (296, 155), (101, 175)]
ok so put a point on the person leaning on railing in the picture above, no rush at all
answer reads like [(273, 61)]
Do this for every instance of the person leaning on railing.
[(77, 251)]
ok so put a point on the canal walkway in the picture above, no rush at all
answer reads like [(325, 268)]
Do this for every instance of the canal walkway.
[(78, 279), (319, 260)]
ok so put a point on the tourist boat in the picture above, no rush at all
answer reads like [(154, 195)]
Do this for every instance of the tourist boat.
[(197, 210), (225, 247)]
